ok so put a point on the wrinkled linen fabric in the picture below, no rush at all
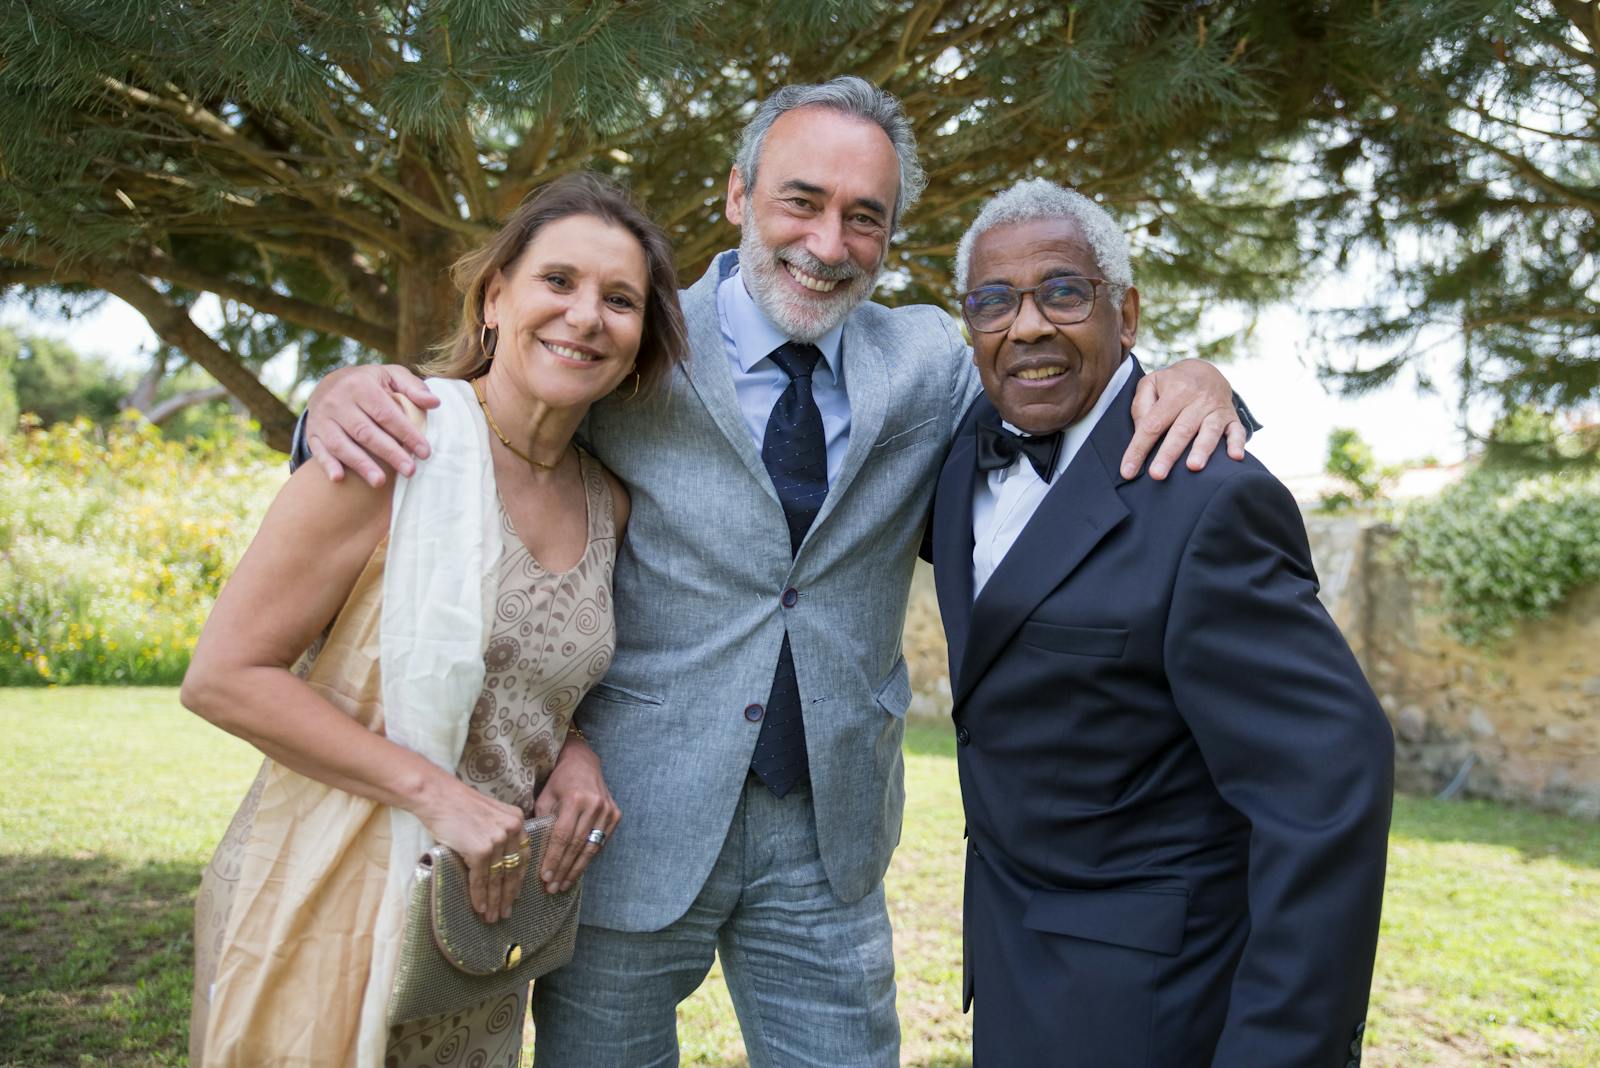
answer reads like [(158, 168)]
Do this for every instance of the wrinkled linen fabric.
[(317, 898)]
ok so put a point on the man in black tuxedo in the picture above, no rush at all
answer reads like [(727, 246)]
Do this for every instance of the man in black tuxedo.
[(1177, 782)]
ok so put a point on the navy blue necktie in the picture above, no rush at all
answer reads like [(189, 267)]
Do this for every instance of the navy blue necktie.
[(795, 450)]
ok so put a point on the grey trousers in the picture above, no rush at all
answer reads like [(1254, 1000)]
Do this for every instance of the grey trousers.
[(811, 978)]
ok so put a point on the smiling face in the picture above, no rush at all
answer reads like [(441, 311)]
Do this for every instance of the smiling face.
[(1042, 377), (816, 223), (569, 311)]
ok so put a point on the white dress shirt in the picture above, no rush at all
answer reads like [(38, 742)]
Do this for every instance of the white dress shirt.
[(750, 340), (1003, 502)]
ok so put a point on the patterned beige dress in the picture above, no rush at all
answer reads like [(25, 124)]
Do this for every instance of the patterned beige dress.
[(552, 638)]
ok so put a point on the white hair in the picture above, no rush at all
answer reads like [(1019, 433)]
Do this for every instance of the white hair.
[(847, 95), (1037, 198)]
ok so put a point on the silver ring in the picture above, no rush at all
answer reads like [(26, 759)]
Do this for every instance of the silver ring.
[(597, 836)]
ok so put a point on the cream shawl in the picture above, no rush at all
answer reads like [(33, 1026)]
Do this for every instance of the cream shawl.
[(307, 955)]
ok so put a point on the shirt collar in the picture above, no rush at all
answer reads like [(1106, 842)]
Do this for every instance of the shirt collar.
[(754, 336)]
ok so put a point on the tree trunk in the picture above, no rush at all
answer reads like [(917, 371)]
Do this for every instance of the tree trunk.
[(143, 397), (427, 304), (161, 412)]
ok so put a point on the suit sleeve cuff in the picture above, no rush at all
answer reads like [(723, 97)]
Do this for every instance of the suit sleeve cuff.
[(1251, 424), (300, 452)]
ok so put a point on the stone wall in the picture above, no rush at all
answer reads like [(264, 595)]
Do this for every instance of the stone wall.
[(1520, 723)]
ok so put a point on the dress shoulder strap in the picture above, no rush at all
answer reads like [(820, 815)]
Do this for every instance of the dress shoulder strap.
[(597, 494)]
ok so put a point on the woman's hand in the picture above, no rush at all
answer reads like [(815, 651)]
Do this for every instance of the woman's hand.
[(577, 793), (485, 832)]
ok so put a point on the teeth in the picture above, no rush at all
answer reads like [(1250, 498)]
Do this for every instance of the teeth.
[(570, 354), (816, 285), (1033, 374)]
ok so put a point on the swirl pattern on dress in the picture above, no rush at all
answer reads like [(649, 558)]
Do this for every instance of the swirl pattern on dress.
[(553, 638)]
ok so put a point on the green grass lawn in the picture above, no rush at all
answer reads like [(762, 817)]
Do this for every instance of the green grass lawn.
[(111, 800)]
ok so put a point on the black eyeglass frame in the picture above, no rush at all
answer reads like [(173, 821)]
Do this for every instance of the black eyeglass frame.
[(1033, 291)]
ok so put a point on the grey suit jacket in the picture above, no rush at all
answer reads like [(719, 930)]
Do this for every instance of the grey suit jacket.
[(699, 579)]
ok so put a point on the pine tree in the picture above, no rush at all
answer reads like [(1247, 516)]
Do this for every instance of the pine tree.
[(317, 164), (1475, 178)]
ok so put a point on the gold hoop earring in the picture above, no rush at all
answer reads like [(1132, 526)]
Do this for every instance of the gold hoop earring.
[(637, 380), (488, 338)]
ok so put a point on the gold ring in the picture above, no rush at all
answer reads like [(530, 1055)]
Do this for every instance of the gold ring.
[(497, 865), (511, 861)]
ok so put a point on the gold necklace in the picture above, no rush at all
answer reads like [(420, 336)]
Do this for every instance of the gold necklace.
[(477, 389)]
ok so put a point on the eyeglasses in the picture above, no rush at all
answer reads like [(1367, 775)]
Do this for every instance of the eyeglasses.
[(1064, 300)]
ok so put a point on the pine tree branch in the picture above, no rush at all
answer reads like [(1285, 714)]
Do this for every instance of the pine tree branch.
[(472, 229), (143, 394), (1535, 28), (525, 164), (581, 149), (158, 264), (219, 133), (1531, 318), (172, 325), (918, 22), (160, 412), (1512, 124), (27, 276), (1525, 167), (1584, 17), (470, 172), (350, 271)]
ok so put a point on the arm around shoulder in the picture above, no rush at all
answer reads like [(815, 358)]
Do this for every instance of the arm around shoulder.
[(355, 419)]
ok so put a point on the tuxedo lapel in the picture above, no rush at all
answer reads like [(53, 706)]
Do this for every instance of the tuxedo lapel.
[(1081, 508), (952, 537), (710, 373)]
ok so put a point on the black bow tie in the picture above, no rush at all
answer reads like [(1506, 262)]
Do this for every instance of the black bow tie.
[(998, 448)]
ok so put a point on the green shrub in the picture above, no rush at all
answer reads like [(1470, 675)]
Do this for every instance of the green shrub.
[(114, 542), (58, 384), (1506, 544), (1352, 461)]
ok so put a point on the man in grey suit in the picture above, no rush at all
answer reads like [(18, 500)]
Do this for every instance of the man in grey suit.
[(751, 722)]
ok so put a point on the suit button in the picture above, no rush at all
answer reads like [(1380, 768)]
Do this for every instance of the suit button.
[(753, 713), (790, 596), (963, 736)]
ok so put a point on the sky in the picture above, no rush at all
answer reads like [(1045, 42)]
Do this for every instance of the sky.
[(1277, 379)]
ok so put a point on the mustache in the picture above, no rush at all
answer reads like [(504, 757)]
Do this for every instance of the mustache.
[(829, 272)]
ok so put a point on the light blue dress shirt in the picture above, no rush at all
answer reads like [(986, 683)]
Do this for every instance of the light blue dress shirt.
[(750, 339)]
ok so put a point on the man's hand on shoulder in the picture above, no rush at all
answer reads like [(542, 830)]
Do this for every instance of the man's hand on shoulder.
[(354, 420), (1190, 401)]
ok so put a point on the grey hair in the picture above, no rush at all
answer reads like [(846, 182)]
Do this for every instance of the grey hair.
[(1036, 198), (847, 95)]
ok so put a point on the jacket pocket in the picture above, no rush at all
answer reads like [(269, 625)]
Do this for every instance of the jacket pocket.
[(1151, 919), (905, 438), (894, 692), (1079, 641), (606, 691)]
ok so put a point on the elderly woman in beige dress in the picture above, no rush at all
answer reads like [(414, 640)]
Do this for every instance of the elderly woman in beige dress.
[(409, 656)]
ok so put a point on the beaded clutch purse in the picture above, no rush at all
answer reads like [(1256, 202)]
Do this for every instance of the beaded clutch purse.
[(450, 959)]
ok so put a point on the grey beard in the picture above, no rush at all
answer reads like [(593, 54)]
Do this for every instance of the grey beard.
[(761, 268)]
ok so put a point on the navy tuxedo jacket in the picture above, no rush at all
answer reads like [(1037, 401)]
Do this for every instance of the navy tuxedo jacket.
[(1177, 781)]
